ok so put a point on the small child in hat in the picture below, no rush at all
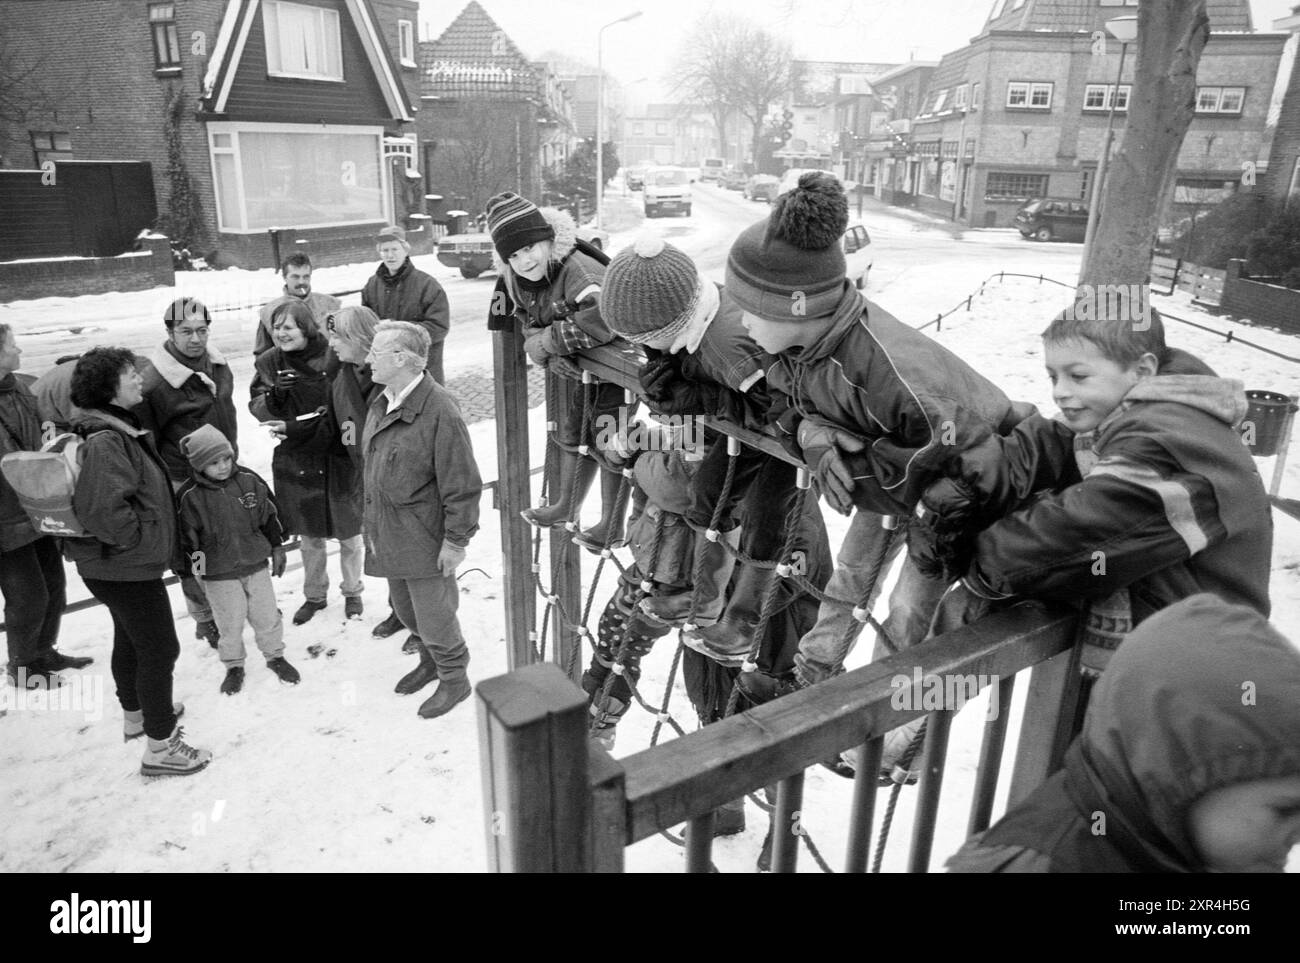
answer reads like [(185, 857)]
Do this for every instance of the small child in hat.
[(229, 527)]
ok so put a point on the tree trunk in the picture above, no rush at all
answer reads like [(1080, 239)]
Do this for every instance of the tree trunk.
[(1171, 36)]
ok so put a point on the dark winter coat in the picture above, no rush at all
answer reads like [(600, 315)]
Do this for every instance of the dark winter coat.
[(320, 305), (421, 482), (317, 486), (1167, 724), (20, 430), (351, 393), (124, 499), (180, 397), (411, 295), (234, 523), (1163, 489)]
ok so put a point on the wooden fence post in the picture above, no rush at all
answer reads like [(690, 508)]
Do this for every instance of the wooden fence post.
[(510, 389), (533, 755), (1053, 703)]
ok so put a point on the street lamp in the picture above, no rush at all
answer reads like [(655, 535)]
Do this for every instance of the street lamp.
[(600, 109), (1123, 29)]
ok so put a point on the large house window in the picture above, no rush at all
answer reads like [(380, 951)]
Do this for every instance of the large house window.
[(302, 41), (1220, 100), (1099, 96), (661, 130), (270, 175), (51, 145), (406, 43), (1024, 95), (1003, 185), (1202, 190), (166, 44)]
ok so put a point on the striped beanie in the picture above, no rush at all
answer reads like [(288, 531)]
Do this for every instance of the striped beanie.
[(791, 267), (651, 291), (515, 222)]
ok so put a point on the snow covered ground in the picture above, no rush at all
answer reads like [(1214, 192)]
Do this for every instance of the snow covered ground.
[(339, 773)]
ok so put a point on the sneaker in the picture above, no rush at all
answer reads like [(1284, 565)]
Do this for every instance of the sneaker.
[(390, 626), (234, 680), (54, 661), (352, 607), (173, 756), (286, 673), (133, 722), (412, 645), (306, 611), (208, 630)]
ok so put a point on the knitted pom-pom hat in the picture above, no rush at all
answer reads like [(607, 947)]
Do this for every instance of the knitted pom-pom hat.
[(204, 445), (651, 290), (791, 266), (515, 222)]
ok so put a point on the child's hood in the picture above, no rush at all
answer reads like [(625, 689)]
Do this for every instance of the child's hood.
[(566, 238), (1199, 696), (1221, 398)]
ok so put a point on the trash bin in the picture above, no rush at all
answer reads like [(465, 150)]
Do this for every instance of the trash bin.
[(1269, 414)]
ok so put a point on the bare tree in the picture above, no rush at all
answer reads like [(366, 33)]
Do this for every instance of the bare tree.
[(762, 76), (25, 92), (703, 69), (480, 153), (1171, 36)]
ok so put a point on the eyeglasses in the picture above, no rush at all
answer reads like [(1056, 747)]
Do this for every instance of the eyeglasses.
[(329, 323)]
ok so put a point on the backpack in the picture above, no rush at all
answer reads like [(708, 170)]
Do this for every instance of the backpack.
[(44, 482)]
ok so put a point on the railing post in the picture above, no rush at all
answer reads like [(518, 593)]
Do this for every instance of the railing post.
[(608, 811), (533, 756), (510, 390), (1051, 708), (566, 561)]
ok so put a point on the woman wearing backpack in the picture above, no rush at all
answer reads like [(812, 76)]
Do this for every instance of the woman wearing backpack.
[(124, 500)]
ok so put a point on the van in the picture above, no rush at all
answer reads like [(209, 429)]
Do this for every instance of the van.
[(712, 169), (1053, 219), (667, 191)]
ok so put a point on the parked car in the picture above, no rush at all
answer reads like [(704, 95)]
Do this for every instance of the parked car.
[(472, 252), (712, 169), (761, 187), (857, 253), (1053, 219), (734, 180), (634, 178), (790, 178), (667, 191)]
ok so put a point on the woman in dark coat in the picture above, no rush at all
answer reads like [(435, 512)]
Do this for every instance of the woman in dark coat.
[(317, 484), (123, 499)]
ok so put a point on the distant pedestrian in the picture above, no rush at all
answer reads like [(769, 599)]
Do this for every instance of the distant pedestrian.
[(296, 271), (398, 291)]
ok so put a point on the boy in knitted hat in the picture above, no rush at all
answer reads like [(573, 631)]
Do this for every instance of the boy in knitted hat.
[(551, 284), (229, 526)]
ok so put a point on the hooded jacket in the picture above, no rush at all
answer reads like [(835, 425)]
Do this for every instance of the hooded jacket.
[(179, 398), (1162, 499), (1167, 724), (20, 430), (234, 523), (411, 295)]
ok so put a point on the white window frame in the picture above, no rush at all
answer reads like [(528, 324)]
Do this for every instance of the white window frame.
[(976, 97), (328, 34), (406, 43), (1029, 88), (1121, 101), (940, 99), (235, 128), (1035, 89), (1239, 92), (1214, 92), (960, 94), (1219, 93)]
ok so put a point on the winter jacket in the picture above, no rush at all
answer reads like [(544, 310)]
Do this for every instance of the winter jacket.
[(234, 523), (421, 482), (351, 393), (317, 485), (411, 295), (53, 391), (124, 499), (1162, 498), (20, 430), (913, 401), (321, 306), (1167, 723), (179, 397)]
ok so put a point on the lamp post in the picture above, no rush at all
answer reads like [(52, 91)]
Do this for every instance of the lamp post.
[(600, 110), (1123, 29)]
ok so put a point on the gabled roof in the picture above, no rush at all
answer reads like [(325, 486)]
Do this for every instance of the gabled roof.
[(238, 20), (475, 58), (1088, 15)]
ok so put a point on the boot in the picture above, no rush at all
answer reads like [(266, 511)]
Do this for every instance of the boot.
[(412, 645), (133, 722), (55, 661), (306, 611), (207, 629), (449, 694), (234, 680), (732, 636), (173, 756), (283, 670), (390, 626), (420, 676), (608, 532), (729, 818), (352, 607), (711, 591), (577, 472)]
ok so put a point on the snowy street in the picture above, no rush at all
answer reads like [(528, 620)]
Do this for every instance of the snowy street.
[(338, 773)]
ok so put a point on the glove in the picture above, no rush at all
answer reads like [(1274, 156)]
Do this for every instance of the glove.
[(941, 540), (277, 560), (656, 375), (822, 446), (535, 345), (562, 366), (449, 558)]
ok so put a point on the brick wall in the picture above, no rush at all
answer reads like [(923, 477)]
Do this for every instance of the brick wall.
[(1265, 304), (134, 271)]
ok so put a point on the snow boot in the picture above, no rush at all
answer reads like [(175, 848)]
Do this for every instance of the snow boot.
[(352, 607), (133, 721), (234, 680), (449, 694), (306, 611), (283, 670), (577, 472), (390, 626), (173, 756), (709, 594), (420, 676), (760, 688), (412, 645), (729, 818), (608, 532), (732, 636), (207, 629)]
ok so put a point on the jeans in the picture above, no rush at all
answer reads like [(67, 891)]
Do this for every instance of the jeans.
[(315, 581), (250, 598), (145, 649), (427, 607), (33, 585), (911, 605)]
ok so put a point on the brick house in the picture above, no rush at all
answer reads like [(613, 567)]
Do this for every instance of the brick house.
[(285, 114), (817, 109), (1282, 179), (896, 97), (1021, 111)]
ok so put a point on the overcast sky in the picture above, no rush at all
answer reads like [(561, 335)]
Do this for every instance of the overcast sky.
[(856, 30)]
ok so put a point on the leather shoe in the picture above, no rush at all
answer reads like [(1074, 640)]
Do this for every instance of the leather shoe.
[(420, 676), (54, 661), (390, 626), (446, 697), (306, 611)]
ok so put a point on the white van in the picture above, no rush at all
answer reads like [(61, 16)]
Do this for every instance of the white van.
[(667, 191), (711, 169)]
